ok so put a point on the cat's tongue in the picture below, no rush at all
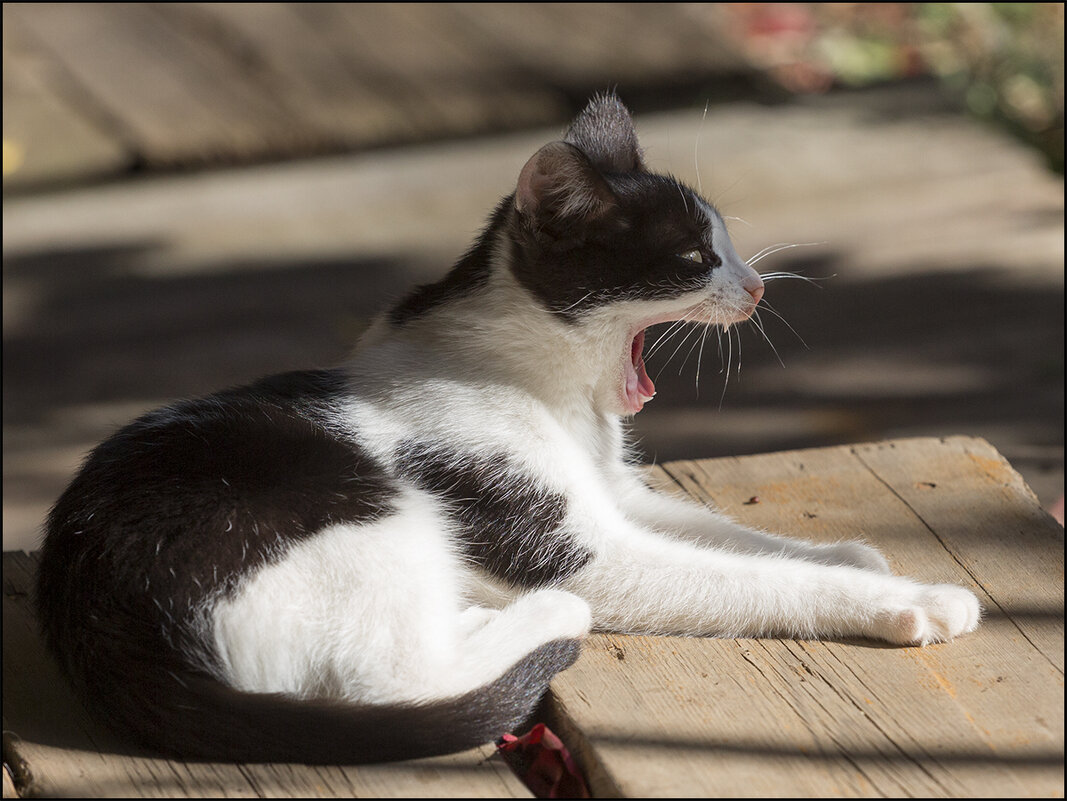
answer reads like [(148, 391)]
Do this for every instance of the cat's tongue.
[(639, 388)]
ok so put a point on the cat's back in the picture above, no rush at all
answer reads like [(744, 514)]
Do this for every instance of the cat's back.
[(230, 566), (181, 505)]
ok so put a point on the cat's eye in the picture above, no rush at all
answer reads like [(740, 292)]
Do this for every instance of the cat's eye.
[(692, 255)]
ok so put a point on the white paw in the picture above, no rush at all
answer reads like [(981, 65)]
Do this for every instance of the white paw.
[(852, 554), (938, 613), (560, 614)]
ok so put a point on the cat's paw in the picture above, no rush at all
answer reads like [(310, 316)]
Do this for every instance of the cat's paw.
[(562, 615), (852, 554), (937, 613)]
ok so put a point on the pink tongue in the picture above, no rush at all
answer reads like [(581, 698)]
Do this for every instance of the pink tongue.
[(644, 383), (642, 389)]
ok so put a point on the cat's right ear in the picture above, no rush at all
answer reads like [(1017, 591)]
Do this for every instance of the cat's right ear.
[(559, 185)]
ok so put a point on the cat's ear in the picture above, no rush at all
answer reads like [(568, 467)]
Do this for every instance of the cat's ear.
[(604, 131), (560, 185)]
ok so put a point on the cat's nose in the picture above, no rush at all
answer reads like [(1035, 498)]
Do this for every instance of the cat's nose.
[(756, 291)]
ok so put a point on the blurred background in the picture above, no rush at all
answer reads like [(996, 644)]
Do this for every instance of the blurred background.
[(199, 194)]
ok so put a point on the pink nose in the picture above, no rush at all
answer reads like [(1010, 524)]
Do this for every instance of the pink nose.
[(755, 292)]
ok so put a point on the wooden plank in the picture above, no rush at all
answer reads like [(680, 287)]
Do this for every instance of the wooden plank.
[(292, 57), (986, 517), (685, 716), (205, 83), (432, 79), (553, 39), (47, 137), (56, 750), (982, 715), (180, 97)]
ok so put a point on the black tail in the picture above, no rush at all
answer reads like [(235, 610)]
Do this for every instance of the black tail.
[(195, 717)]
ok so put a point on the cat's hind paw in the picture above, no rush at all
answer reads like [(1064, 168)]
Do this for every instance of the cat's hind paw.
[(939, 613), (560, 614)]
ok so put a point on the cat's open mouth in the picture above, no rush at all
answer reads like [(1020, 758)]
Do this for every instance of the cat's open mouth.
[(638, 388)]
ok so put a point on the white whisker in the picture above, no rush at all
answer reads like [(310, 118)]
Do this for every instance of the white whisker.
[(740, 220), (675, 353), (774, 311), (737, 332), (665, 336), (758, 324), (778, 275), (684, 201), (759, 254), (770, 251), (691, 349), (729, 363), (582, 299), (696, 148), (700, 355)]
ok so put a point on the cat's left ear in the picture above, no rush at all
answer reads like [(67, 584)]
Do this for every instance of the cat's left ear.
[(605, 132), (559, 187)]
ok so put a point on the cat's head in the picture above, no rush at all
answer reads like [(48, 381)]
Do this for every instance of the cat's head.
[(602, 242)]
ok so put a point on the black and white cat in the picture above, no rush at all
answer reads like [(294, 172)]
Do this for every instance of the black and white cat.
[(393, 558)]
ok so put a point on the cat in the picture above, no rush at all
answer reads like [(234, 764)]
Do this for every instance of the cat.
[(393, 558)]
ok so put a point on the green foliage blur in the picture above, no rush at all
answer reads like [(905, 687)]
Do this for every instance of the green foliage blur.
[(1003, 61), (1006, 61)]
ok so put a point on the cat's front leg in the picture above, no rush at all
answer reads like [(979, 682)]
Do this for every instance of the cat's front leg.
[(849, 553), (699, 524), (639, 582)]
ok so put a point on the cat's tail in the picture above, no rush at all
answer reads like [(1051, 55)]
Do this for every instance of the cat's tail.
[(200, 718)]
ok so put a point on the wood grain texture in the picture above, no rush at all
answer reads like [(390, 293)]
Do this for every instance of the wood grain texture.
[(194, 84), (47, 136), (982, 715), (666, 716)]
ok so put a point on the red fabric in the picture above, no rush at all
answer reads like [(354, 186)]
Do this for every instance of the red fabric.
[(541, 760)]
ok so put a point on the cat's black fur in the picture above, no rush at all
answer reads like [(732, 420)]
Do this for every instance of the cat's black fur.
[(572, 272), (508, 524)]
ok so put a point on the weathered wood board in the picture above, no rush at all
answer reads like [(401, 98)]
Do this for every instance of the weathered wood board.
[(982, 715), (46, 138), (664, 716), (193, 84)]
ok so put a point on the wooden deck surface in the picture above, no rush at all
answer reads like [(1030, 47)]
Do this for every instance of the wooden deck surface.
[(669, 717), (96, 89)]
